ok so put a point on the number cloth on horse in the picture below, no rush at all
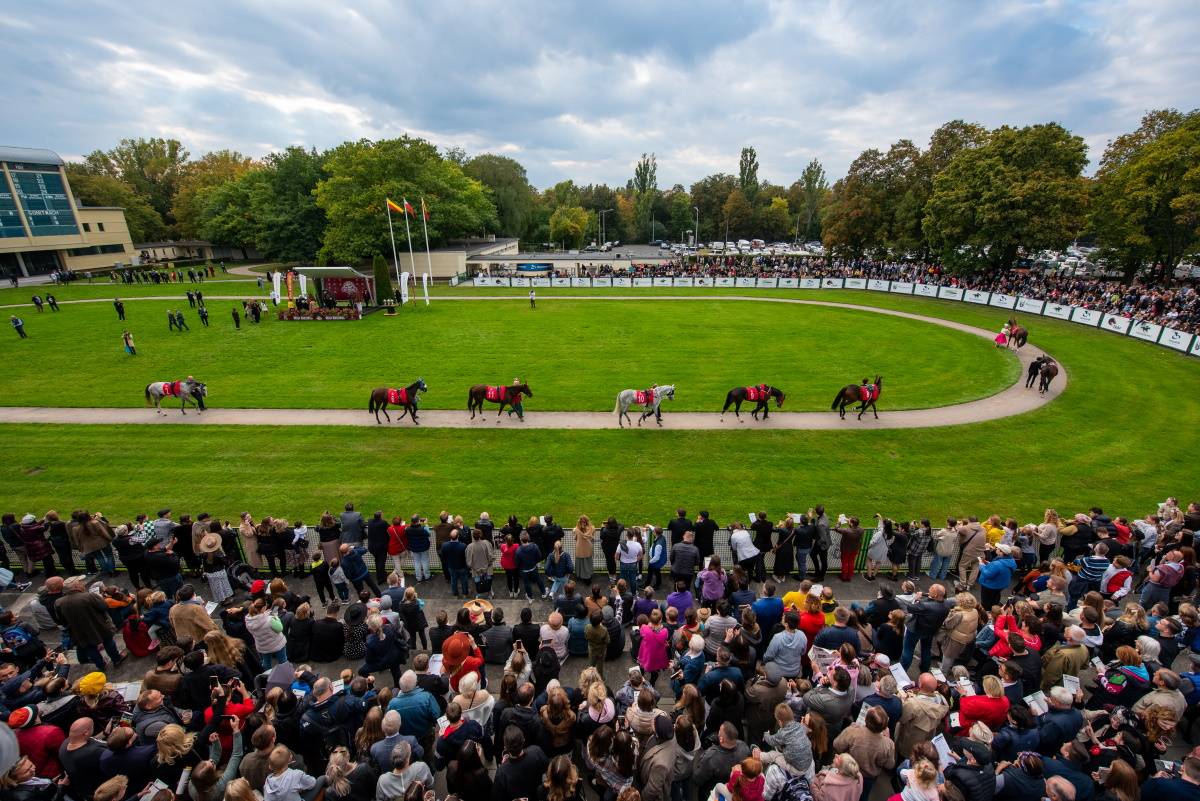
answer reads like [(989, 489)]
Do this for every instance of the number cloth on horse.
[(643, 397), (397, 397), (496, 394), (172, 388), (868, 393), (756, 393)]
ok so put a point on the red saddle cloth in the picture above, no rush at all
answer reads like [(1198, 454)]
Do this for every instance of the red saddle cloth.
[(172, 388), (868, 393), (643, 398), (397, 397), (496, 394), (756, 393)]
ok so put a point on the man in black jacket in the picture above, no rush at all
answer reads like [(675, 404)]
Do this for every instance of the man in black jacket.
[(521, 772), (523, 717), (377, 544), (685, 560), (551, 534), (974, 774), (163, 567), (328, 637), (706, 530), (925, 618), (436, 684), (195, 691), (679, 525)]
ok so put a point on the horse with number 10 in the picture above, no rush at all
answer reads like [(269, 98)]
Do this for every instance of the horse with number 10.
[(649, 399), (501, 394)]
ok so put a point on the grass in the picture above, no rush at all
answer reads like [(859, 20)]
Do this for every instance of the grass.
[(576, 355), (1118, 437), (238, 285)]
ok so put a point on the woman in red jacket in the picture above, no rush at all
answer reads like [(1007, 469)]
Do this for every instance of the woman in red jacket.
[(397, 544), (508, 561), (991, 708)]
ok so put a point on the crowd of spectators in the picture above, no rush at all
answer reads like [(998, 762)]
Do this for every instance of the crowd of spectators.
[(693, 677)]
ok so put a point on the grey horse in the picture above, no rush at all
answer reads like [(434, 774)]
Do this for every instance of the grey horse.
[(188, 391), (629, 397)]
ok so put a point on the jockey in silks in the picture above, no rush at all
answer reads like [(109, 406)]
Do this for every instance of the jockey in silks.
[(515, 403)]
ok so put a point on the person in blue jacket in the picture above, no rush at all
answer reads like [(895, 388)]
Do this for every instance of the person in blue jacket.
[(418, 535), (453, 553), (528, 558), (558, 568), (658, 557), (995, 576), (355, 568)]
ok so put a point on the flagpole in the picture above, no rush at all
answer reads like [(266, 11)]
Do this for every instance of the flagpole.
[(425, 225), (407, 233), (392, 234)]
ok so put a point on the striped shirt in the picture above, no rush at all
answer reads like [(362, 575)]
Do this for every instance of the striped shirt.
[(1091, 568)]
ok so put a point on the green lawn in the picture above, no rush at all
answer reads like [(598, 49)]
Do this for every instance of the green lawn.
[(238, 285), (576, 355), (1120, 437)]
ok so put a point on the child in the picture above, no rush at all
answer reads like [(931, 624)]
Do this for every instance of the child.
[(1002, 337), (157, 617), (320, 574), (829, 603), (338, 577), (288, 784), (298, 553), (412, 612)]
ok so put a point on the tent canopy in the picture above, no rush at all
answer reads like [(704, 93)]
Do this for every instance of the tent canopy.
[(330, 272)]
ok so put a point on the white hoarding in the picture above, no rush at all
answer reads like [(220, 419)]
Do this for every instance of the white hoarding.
[(704, 281), (606, 281), (1058, 311), (791, 283), (902, 287), (1115, 323), (851, 283), (926, 290), (1144, 330), (1174, 338), (561, 281), (643, 282), (878, 285), (950, 293), (1085, 316), (1003, 301), (581, 282), (724, 280), (622, 280), (746, 283), (1031, 305), (975, 296), (767, 283), (662, 281), (518, 281), (810, 283)]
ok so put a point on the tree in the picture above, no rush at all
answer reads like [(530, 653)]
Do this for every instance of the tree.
[(210, 170), (775, 221), (748, 173), (568, 224), (807, 196), (383, 279), (645, 175), (360, 175), (737, 214), (153, 168), (145, 224), (679, 213), (854, 220), (708, 195), (1022, 189), (508, 188), (290, 226), (227, 215)]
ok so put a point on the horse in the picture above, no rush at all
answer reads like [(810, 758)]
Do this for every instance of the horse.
[(406, 398), (651, 399), (762, 396), (188, 391), (858, 393), (1049, 372), (496, 394), (1017, 335)]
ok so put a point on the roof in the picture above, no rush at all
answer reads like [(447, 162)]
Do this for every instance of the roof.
[(29, 155), (590, 255), (181, 243), (330, 272), (473, 247)]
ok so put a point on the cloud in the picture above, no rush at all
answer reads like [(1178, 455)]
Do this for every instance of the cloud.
[(579, 90)]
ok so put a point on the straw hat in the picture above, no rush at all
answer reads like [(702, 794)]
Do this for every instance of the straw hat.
[(479, 609), (210, 543)]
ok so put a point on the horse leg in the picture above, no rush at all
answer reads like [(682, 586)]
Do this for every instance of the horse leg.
[(658, 415), (766, 409), (874, 410), (387, 416)]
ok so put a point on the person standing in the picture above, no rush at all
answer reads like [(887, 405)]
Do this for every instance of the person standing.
[(822, 542), (199, 299), (85, 616), (237, 319), (585, 536), (19, 326), (532, 300), (127, 340), (37, 303), (852, 535), (191, 299), (180, 322), (119, 305), (204, 316), (171, 320), (52, 302)]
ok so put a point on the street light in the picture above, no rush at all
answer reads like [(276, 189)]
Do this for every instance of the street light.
[(696, 236), (602, 213)]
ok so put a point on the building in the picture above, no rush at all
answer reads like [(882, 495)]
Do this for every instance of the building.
[(454, 258), (43, 228)]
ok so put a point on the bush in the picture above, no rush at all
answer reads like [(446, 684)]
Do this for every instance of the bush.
[(383, 280)]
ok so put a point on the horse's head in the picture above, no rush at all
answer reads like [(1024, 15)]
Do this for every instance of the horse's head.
[(667, 391), (879, 381), (420, 385), (779, 396), (524, 388)]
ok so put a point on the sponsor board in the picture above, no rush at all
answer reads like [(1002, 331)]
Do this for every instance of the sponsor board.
[(791, 283), (689, 281), (878, 285), (1085, 316), (1058, 311), (1031, 305), (902, 287), (1115, 323), (851, 283), (662, 281), (560, 281), (724, 280), (602, 282), (767, 283), (926, 290), (975, 296), (950, 293), (643, 282), (705, 281), (622, 281), (744, 282), (808, 283), (518, 281), (541, 281), (1003, 301), (1195, 349), (1145, 330), (581, 282), (1174, 338)]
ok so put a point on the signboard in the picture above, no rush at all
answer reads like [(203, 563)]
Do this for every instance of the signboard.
[(543, 281), (836, 283), (950, 293), (351, 289), (1031, 305), (10, 220), (704, 281), (606, 281), (902, 287), (724, 280), (622, 281), (1003, 301), (1143, 330), (1195, 349), (1085, 316), (560, 281), (662, 281), (518, 281), (744, 282), (926, 290), (789, 283), (1058, 311), (479, 280), (1115, 323), (1174, 338), (43, 196), (581, 281), (643, 282), (768, 283), (689, 281), (852, 283), (808, 283), (878, 285), (975, 296)]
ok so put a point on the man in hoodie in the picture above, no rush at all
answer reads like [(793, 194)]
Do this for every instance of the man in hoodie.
[(656, 768), (784, 655)]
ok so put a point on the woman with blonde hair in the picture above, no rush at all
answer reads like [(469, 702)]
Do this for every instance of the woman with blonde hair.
[(596, 711), (922, 782), (232, 652), (990, 708), (561, 781), (240, 790), (176, 751), (248, 533), (587, 678), (346, 780), (585, 535), (841, 782), (959, 629), (1047, 535)]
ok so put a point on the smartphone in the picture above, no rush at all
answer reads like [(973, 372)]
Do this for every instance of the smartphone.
[(1103, 774), (126, 720), (214, 682)]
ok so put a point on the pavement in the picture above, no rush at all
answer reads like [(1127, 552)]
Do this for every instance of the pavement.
[(1014, 400)]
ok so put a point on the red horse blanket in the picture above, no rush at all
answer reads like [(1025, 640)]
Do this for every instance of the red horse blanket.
[(644, 397), (868, 393), (756, 393), (172, 388), (496, 394), (397, 397)]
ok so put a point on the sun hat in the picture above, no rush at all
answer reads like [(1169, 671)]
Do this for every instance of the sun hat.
[(355, 613), (28, 520), (210, 543), (93, 683), (455, 651), (479, 609), (22, 716)]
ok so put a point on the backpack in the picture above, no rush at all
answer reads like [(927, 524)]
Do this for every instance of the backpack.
[(794, 788)]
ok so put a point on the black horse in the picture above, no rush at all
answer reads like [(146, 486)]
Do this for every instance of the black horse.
[(763, 393), (503, 395), (406, 398), (865, 394)]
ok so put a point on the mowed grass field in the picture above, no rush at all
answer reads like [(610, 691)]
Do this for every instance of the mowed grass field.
[(1121, 436), (575, 354)]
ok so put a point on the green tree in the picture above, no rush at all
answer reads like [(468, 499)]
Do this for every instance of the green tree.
[(227, 214), (360, 175), (737, 215), (775, 220), (679, 213), (807, 197), (153, 168), (645, 175), (290, 226), (210, 170), (568, 225), (708, 195), (383, 279), (854, 221), (145, 224), (1022, 189), (509, 189), (748, 173)]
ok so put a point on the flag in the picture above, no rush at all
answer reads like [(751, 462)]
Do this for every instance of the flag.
[(408, 209), (394, 206), (424, 210)]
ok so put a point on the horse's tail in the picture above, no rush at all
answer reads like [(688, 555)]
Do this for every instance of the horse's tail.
[(728, 401), (148, 395), (617, 405), (837, 399), (371, 403)]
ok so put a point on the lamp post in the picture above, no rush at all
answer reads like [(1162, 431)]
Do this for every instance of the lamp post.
[(602, 213), (696, 235)]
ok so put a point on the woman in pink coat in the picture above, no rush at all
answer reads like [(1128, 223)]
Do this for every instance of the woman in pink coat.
[(652, 653)]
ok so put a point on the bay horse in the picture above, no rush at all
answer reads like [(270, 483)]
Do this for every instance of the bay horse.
[(760, 395), (864, 394), (649, 399), (1017, 335), (501, 394), (1048, 374), (189, 391), (406, 398)]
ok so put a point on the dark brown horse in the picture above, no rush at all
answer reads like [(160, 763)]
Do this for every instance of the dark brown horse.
[(503, 395), (1017, 335), (1048, 374), (406, 398), (763, 392), (865, 394)]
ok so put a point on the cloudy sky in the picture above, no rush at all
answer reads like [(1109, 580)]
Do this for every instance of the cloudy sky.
[(580, 89)]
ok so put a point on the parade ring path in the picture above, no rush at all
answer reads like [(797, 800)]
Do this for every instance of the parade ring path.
[(1012, 401)]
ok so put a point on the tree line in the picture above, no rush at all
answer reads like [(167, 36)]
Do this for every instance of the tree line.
[(973, 198)]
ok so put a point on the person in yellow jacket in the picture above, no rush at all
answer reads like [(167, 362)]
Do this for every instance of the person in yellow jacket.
[(993, 530)]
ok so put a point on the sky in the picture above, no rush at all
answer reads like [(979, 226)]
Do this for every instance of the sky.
[(581, 89)]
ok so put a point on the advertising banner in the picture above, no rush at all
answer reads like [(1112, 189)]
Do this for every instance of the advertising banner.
[(789, 283), (1143, 330), (704, 281), (1003, 301), (542, 281), (950, 293), (768, 283), (1115, 323), (1195, 349), (851, 283), (878, 285), (643, 282), (902, 287), (581, 281), (622, 281), (606, 281), (747, 283), (1031, 305), (520, 281), (808, 283), (1174, 338), (479, 280), (662, 281), (403, 286), (560, 281), (724, 280), (1058, 311), (689, 281), (975, 296), (1085, 316), (926, 290)]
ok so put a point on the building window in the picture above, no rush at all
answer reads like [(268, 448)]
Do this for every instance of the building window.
[(99, 226), (87, 227)]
